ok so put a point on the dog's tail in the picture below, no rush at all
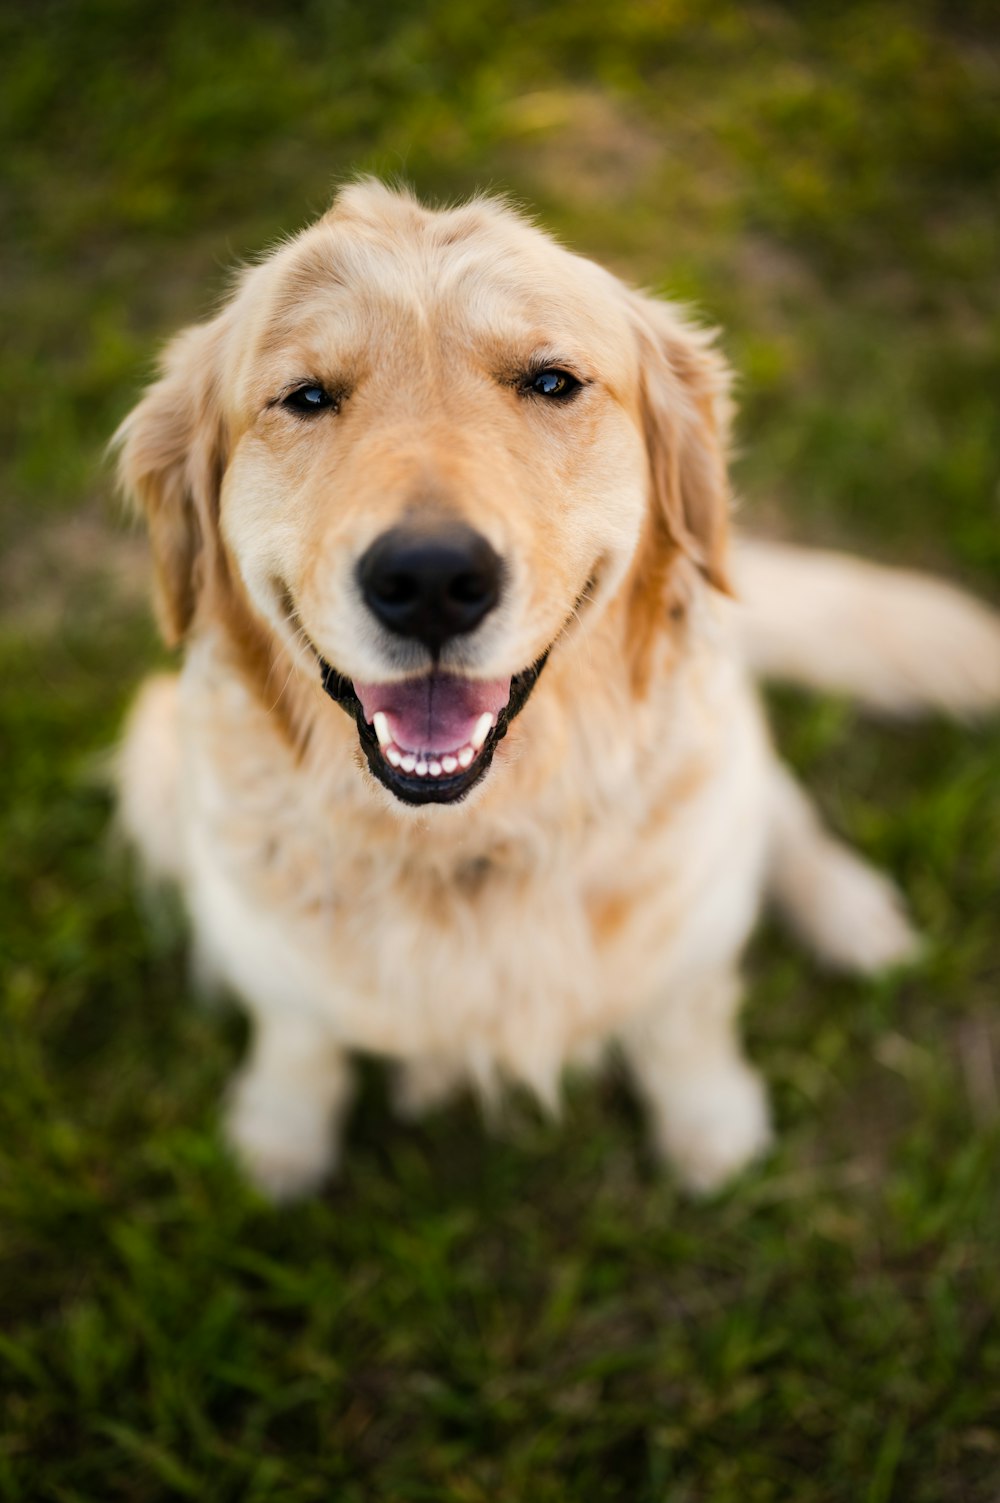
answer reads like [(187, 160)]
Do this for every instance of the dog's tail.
[(898, 641)]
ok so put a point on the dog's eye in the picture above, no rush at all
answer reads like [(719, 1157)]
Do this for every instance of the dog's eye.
[(552, 383), (307, 401)]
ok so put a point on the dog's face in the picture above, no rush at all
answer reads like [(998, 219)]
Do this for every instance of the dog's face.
[(419, 445)]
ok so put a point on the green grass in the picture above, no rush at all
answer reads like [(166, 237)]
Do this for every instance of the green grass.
[(535, 1313)]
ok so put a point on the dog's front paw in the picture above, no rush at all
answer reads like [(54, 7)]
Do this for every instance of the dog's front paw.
[(285, 1145), (714, 1126)]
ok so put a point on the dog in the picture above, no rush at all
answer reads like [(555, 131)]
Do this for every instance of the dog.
[(466, 765)]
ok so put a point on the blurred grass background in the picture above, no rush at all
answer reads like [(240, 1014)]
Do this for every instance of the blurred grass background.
[(534, 1314)]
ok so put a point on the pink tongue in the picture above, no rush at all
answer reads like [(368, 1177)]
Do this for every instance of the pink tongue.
[(436, 713)]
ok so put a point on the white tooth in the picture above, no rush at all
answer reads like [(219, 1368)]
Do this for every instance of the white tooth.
[(483, 727), (421, 769), (393, 755), (465, 756), (435, 769), (380, 723), (449, 763), (408, 763)]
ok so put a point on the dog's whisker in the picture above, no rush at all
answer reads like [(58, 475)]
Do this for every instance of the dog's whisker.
[(299, 637)]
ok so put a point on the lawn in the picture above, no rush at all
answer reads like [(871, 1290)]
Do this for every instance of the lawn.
[(530, 1313)]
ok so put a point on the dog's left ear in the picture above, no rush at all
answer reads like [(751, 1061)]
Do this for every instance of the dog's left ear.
[(684, 398)]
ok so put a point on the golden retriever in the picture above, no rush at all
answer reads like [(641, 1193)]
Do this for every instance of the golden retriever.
[(465, 765)]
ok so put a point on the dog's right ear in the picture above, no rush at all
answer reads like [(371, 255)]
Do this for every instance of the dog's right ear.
[(171, 459)]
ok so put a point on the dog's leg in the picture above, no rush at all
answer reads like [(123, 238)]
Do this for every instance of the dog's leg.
[(849, 913), (708, 1106), (286, 1105)]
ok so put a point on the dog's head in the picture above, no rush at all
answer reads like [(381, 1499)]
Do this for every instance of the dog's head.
[(417, 446)]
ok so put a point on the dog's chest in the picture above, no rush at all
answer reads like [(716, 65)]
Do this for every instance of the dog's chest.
[(513, 947)]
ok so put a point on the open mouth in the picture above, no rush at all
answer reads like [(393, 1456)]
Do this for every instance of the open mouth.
[(430, 739)]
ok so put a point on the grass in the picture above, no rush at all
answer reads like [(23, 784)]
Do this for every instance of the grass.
[(533, 1313)]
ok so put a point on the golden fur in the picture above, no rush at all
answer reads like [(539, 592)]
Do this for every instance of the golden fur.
[(600, 881)]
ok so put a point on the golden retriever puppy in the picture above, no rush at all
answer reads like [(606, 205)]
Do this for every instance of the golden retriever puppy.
[(465, 766)]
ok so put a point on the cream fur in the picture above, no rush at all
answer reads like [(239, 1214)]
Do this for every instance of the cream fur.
[(600, 883), (897, 640)]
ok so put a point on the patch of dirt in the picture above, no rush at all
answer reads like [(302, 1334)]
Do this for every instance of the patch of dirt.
[(977, 1045), (43, 573)]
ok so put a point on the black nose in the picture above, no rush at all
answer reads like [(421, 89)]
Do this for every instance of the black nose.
[(430, 585)]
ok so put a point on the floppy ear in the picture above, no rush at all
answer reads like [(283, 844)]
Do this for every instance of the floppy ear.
[(171, 459), (684, 397)]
